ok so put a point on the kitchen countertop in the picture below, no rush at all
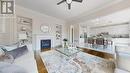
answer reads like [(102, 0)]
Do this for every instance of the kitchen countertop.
[(110, 49)]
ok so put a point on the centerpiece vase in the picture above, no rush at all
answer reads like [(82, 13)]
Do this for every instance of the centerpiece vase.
[(65, 45)]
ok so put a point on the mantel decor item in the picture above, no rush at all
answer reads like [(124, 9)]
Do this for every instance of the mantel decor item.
[(58, 32), (22, 38), (44, 28), (65, 43)]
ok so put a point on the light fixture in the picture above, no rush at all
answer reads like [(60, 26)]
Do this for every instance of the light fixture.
[(68, 1)]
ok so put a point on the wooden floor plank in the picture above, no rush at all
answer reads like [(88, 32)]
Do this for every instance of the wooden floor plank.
[(40, 65)]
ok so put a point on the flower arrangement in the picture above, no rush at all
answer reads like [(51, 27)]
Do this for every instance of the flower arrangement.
[(65, 40)]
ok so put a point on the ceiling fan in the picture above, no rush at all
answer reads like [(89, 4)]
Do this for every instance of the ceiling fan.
[(69, 2)]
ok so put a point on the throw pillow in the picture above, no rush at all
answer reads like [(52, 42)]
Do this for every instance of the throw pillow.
[(18, 51)]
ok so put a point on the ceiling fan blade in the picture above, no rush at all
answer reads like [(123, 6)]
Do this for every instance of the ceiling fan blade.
[(69, 6), (61, 2), (78, 0)]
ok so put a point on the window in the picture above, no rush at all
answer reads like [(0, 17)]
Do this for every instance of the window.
[(2, 25)]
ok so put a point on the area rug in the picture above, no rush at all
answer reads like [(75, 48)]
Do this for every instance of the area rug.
[(56, 62)]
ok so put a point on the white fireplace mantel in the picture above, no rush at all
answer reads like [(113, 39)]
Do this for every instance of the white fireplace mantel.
[(38, 39)]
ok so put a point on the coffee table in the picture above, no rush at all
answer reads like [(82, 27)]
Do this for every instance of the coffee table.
[(70, 52)]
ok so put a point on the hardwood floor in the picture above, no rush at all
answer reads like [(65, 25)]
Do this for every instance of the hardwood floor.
[(40, 65), (99, 54)]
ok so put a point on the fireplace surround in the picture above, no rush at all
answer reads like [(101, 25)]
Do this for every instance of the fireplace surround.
[(46, 43), (43, 41)]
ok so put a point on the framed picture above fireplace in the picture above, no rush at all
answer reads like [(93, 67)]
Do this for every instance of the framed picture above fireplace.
[(44, 28)]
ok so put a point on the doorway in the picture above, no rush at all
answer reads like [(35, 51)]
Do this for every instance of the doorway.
[(71, 34)]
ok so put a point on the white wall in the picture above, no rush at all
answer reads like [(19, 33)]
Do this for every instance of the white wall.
[(114, 30), (114, 18), (111, 19), (42, 19), (38, 20), (8, 36), (76, 32)]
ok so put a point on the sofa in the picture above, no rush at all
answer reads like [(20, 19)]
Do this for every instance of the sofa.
[(123, 57), (26, 61)]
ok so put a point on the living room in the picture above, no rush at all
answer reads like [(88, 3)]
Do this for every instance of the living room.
[(65, 36)]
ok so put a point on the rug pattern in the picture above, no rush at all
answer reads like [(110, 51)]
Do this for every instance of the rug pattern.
[(56, 62)]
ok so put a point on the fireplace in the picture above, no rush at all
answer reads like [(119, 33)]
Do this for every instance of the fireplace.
[(43, 41), (46, 43)]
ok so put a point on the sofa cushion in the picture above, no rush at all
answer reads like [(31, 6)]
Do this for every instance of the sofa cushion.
[(18, 51), (28, 62), (11, 68), (6, 58), (10, 47)]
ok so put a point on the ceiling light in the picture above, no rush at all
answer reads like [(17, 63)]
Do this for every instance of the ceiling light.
[(68, 1)]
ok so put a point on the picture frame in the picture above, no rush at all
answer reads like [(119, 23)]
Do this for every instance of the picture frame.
[(58, 32)]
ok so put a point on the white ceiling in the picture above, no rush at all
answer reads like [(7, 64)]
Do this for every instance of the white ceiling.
[(114, 18), (51, 8)]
